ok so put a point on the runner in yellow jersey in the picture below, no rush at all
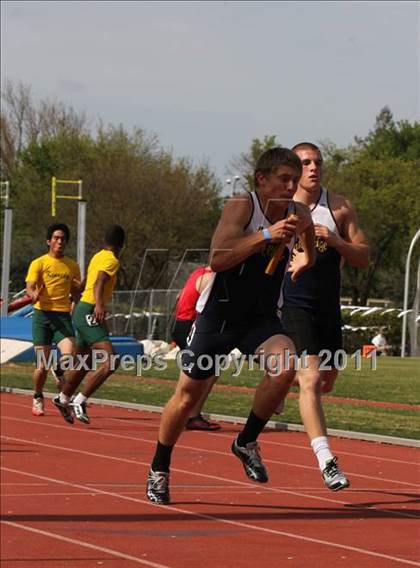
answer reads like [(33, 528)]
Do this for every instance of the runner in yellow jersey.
[(50, 281), (91, 332)]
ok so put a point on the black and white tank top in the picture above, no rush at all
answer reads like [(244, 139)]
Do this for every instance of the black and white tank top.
[(245, 292), (319, 287)]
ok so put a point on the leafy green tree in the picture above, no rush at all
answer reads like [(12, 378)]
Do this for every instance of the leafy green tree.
[(163, 203), (385, 196), (244, 164), (64, 156), (379, 174), (129, 179), (390, 139), (23, 121)]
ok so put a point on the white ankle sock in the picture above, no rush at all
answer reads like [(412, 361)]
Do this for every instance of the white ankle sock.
[(80, 398), (64, 399), (322, 450)]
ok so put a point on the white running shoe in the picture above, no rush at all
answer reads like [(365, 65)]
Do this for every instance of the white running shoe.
[(38, 407), (80, 412), (333, 477)]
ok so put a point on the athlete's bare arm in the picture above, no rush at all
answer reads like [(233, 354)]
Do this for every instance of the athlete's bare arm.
[(100, 312), (230, 246), (34, 291), (351, 243), (202, 281), (76, 290)]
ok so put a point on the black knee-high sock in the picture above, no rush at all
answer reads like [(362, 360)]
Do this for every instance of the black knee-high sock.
[(162, 458), (252, 429)]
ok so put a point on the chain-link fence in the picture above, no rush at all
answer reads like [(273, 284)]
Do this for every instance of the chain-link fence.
[(144, 314), (148, 314)]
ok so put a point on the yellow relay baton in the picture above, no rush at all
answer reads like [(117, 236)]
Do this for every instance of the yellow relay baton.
[(278, 253)]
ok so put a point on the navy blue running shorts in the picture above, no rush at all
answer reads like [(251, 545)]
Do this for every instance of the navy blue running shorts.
[(313, 331), (210, 338)]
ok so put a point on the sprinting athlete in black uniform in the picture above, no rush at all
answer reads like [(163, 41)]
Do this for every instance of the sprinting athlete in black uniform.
[(238, 308), (311, 311)]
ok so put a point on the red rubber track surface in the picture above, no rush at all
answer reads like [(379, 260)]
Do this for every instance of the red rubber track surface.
[(73, 496)]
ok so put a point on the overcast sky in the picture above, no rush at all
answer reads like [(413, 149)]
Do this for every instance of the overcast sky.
[(207, 77)]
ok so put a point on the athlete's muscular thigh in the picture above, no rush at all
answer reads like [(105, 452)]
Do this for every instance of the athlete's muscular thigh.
[(279, 356), (190, 390)]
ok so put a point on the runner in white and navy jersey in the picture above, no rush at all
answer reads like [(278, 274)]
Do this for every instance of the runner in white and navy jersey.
[(239, 307), (311, 309), (317, 291)]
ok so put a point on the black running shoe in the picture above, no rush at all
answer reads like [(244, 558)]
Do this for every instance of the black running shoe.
[(251, 460), (64, 409), (80, 411), (333, 477), (157, 488)]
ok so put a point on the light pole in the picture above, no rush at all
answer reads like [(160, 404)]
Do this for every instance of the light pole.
[(406, 283), (232, 184), (236, 179), (7, 246)]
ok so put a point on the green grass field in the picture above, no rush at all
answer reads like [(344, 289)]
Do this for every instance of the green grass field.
[(395, 380)]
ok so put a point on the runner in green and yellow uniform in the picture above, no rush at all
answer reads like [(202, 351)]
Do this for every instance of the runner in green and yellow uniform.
[(91, 331), (51, 281)]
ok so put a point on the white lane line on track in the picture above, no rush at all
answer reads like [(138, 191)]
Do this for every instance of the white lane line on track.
[(271, 442), (86, 545), (25, 484), (214, 477), (190, 490), (206, 450), (202, 486), (138, 492), (341, 452), (221, 520)]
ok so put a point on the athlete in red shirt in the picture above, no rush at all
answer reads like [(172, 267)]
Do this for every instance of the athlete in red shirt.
[(185, 314)]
